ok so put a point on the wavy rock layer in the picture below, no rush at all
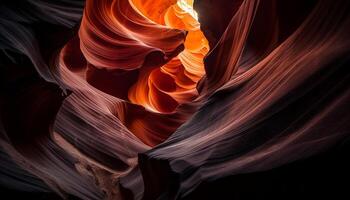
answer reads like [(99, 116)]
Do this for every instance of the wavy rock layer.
[(126, 99)]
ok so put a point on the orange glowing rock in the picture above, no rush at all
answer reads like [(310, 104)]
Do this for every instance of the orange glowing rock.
[(162, 90)]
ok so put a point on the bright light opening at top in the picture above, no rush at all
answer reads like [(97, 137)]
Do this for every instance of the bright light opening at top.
[(187, 6)]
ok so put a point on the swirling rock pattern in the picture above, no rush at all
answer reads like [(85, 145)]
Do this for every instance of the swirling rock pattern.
[(133, 99)]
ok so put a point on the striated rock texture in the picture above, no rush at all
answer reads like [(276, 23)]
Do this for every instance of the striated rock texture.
[(166, 99)]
